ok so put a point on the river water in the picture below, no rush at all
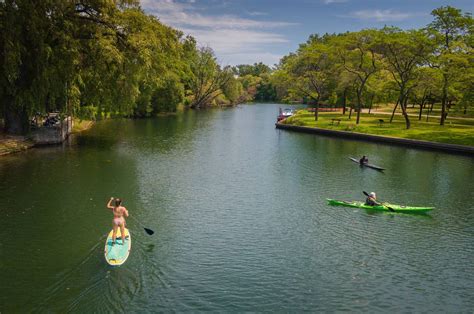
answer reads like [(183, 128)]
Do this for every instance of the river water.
[(240, 218)]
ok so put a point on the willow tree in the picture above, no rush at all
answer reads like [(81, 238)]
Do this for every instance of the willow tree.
[(51, 49), (207, 79)]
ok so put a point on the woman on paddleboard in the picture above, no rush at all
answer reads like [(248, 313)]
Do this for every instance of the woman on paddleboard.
[(120, 213)]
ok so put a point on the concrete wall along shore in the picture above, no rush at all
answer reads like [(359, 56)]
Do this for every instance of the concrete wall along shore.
[(451, 148), (52, 134)]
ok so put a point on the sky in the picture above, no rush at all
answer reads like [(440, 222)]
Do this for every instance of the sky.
[(250, 31)]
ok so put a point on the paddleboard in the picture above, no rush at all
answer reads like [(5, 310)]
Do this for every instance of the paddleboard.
[(117, 253)]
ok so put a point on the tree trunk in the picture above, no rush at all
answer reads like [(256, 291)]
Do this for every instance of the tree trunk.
[(16, 121), (422, 105), (421, 111), (344, 99), (316, 110), (404, 104), (371, 101), (429, 111), (394, 109), (359, 105), (443, 100), (350, 112)]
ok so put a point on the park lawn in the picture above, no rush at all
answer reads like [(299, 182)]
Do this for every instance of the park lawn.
[(456, 131), (435, 114)]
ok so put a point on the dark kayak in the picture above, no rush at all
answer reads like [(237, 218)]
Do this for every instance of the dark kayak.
[(383, 207), (367, 165)]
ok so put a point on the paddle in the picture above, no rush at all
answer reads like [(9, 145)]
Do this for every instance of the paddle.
[(389, 208), (148, 231)]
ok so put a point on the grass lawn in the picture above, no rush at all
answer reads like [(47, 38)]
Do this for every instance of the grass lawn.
[(455, 112), (81, 125), (456, 131)]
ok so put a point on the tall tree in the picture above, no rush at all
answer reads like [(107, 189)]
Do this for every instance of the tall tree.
[(313, 69), (207, 79), (403, 52), (449, 30), (357, 52)]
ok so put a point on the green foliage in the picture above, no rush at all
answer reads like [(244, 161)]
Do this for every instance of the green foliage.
[(389, 65), (108, 55)]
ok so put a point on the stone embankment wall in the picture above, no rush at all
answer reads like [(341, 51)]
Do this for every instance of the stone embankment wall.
[(54, 134), (451, 148)]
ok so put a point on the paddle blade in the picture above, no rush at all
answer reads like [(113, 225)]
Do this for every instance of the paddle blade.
[(149, 231)]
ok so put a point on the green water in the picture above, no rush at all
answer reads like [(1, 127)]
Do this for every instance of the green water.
[(240, 220)]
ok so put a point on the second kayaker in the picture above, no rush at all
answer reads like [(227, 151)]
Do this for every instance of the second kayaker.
[(372, 200), (364, 160)]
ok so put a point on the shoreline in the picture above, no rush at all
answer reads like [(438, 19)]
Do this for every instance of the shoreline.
[(12, 144), (419, 144)]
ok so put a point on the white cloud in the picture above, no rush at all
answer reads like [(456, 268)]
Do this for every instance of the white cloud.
[(381, 15), (250, 58), (256, 13), (225, 41), (182, 19), (231, 37)]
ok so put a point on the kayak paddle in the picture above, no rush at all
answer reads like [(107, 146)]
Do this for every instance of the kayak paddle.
[(148, 231), (389, 208)]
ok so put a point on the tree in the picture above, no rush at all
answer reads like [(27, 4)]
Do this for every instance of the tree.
[(357, 53), (312, 69), (403, 52), (49, 49), (207, 78), (449, 30)]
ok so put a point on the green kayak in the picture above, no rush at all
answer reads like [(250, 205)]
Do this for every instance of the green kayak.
[(384, 207)]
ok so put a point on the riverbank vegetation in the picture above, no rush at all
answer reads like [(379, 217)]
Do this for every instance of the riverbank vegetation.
[(430, 68), (95, 59), (101, 59)]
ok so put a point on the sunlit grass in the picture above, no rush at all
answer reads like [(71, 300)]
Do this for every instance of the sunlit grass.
[(456, 131)]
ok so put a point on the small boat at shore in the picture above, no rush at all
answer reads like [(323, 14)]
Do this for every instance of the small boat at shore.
[(285, 114), (367, 164)]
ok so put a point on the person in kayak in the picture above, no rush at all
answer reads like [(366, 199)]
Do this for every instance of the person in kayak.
[(372, 200), (119, 221), (364, 160)]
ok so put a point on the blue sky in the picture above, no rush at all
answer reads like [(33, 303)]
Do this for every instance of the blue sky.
[(249, 31)]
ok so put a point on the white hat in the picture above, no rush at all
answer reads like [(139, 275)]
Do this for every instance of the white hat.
[(372, 194)]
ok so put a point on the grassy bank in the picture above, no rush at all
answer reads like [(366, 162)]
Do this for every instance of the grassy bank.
[(13, 144), (456, 131), (81, 125)]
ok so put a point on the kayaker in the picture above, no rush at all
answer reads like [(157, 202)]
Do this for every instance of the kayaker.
[(372, 200), (119, 221), (364, 160)]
